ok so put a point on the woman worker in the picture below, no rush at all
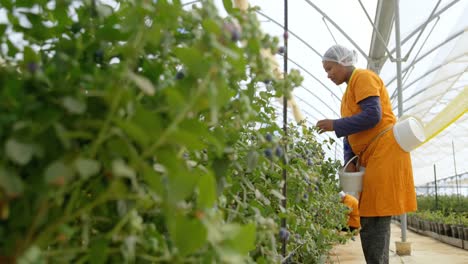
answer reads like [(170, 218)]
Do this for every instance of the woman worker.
[(353, 213), (365, 123)]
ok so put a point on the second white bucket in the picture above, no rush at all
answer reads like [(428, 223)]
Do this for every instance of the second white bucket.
[(409, 133), (351, 181)]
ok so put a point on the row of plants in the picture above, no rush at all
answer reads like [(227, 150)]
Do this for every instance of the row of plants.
[(452, 225), (445, 203), (144, 133)]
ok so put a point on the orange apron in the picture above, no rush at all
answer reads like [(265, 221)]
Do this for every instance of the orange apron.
[(388, 185)]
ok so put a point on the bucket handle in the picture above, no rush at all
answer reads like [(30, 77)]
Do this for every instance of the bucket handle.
[(349, 161)]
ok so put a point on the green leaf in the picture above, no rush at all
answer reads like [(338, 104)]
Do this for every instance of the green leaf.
[(277, 194), (8, 4), (220, 166), (226, 51), (121, 169), (142, 82), (19, 152), (228, 6), (239, 238), (61, 132), (104, 10), (11, 183), (3, 28), (180, 227), (210, 25), (186, 138), (252, 159), (98, 251), (73, 105), (181, 185), (32, 256), (87, 167), (134, 131), (147, 120), (30, 55), (193, 60), (58, 173), (153, 179), (181, 182), (207, 191), (12, 49)]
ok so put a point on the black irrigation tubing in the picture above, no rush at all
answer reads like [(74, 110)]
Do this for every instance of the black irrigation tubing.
[(285, 118), (290, 32)]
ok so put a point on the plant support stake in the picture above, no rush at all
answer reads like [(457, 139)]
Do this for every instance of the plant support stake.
[(285, 117)]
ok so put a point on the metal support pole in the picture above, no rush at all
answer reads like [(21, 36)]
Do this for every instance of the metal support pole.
[(455, 167), (285, 118), (435, 183), (400, 93)]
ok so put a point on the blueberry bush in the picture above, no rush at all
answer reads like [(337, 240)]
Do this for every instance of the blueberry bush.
[(144, 133)]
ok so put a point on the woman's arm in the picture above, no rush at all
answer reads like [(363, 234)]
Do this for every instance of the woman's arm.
[(369, 117), (348, 152)]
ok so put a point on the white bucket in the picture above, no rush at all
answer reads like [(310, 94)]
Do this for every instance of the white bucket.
[(409, 133), (351, 181)]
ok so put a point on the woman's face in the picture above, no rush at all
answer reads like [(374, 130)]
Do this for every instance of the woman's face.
[(335, 71)]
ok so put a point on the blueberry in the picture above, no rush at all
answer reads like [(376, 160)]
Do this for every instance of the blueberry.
[(284, 234), (281, 50), (180, 75), (234, 30), (98, 56), (235, 35), (268, 153), (306, 196), (99, 53), (75, 27), (309, 162), (279, 151), (32, 67), (269, 137)]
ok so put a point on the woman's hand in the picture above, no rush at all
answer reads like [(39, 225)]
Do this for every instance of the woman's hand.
[(351, 168), (325, 125)]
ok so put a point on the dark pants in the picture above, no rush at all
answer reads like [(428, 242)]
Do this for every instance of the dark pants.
[(375, 239)]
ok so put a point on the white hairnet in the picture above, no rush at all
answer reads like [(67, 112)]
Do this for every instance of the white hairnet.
[(342, 194), (341, 55)]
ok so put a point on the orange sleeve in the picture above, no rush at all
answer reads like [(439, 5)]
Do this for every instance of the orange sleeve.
[(366, 84)]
